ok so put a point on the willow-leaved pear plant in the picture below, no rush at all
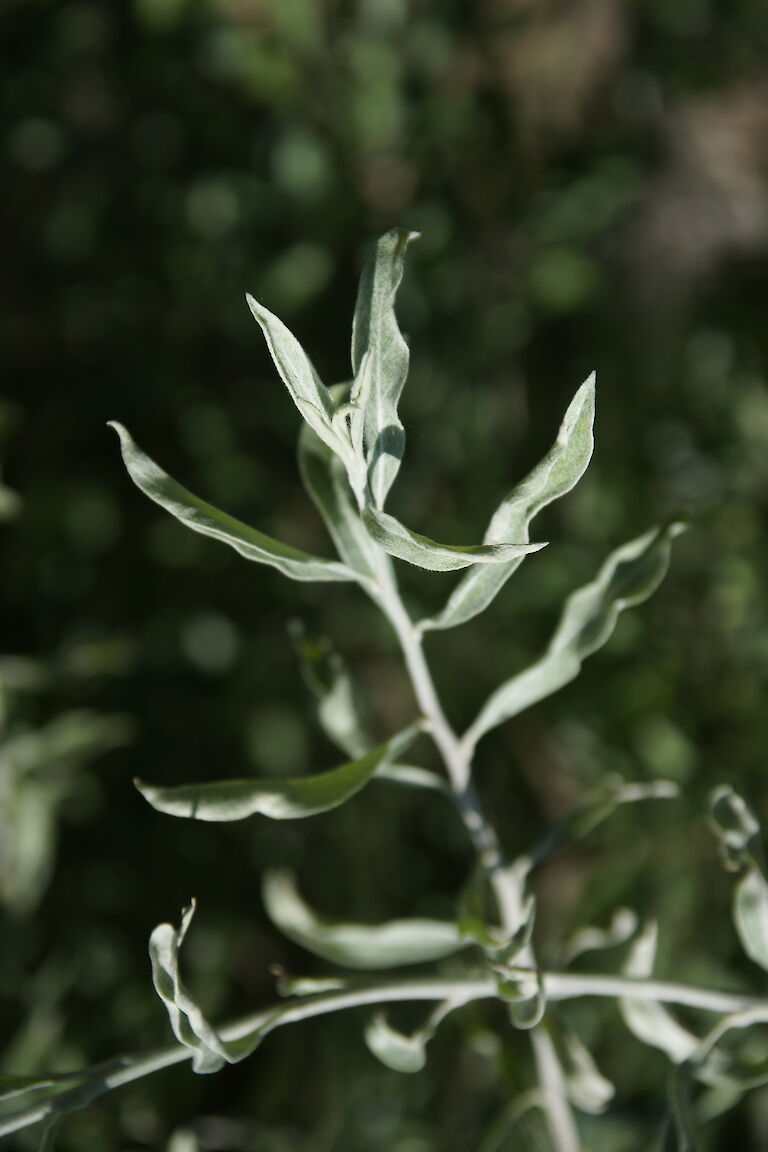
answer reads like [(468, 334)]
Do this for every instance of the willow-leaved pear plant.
[(351, 446)]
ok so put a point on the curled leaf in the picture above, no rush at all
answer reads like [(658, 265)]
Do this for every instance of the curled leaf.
[(399, 1052), (419, 550), (190, 1027), (649, 1020), (209, 521), (388, 945), (279, 799), (739, 834)]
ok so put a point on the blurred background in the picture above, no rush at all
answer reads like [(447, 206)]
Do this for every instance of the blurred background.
[(590, 178)]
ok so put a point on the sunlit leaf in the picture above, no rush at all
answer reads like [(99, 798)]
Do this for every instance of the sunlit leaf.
[(190, 1026), (558, 472), (388, 945), (649, 1020), (380, 361), (209, 521), (629, 576), (399, 541)]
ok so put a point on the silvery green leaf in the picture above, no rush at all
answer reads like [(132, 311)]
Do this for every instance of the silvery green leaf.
[(209, 521), (279, 799), (622, 928), (397, 1051), (326, 482), (629, 576), (649, 1020), (739, 833), (380, 361), (297, 372), (602, 801), (587, 1088), (338, 707), (50, 1129), (190, 1027), (557, 474), (399, 541), (388, 945)]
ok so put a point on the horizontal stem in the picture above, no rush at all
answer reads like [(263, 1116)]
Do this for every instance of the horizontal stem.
[(557, 986)]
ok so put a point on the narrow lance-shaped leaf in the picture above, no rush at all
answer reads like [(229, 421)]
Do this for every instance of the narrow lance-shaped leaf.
[(742, 850), (399, 1052), (622, 928), (325, 480), (209, 521), (380, 361), (388, 945), (557, 474), (279, 799), (629, 576), (189, 1024), (297, 372), (649, 1020), (399, 541)]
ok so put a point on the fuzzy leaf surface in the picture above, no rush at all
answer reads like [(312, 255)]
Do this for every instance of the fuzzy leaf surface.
[(380, 361), (202, 517), (629, 576), (554, 476), (388, 945), (419, 550), (279, 799), (190, 1026)]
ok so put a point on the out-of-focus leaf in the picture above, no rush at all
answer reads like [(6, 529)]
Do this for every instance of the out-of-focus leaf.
[(380, 362), (280, 799), (388, 945), (649, 1020), (680, 1135), (587, 1088), (419, 550), (622, 927), (525, 1000), (629, 576), (558, 472), (209, 521), (739, 833), (190, 1027), (599, 805), (400, 1052), (50, 1129)]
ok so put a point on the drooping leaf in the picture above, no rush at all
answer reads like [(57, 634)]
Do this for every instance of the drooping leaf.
[(629, 576), (739, 832), (527, 1003), (419, 550), (50, 1129), (209, 521), (397, 1051), (190, 1026), (587, 1088), (649, 1020), (388, 945), (557, 474), (681, 1135), (380, 361), (279, 799)]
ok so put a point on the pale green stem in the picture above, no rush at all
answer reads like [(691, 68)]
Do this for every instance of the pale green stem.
[(557, 986), (457, 757)]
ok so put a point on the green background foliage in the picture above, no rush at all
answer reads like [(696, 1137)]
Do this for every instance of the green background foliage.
[(589, 182)]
